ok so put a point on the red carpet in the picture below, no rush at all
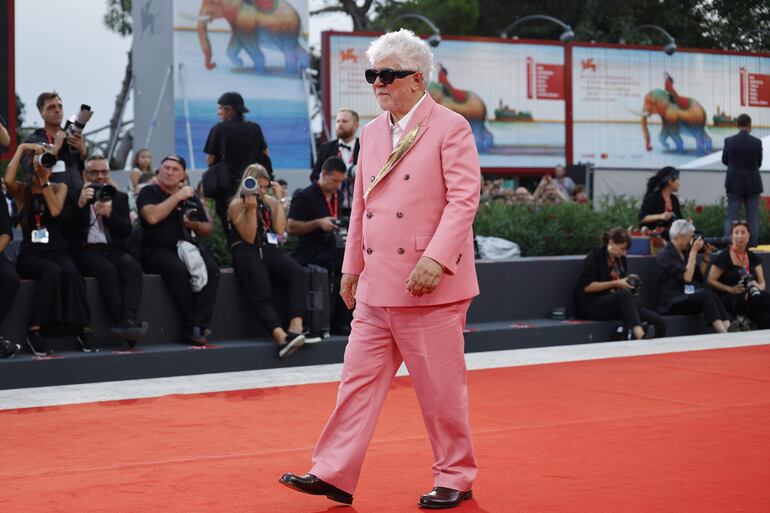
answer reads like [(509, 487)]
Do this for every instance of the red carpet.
[(684, 432)]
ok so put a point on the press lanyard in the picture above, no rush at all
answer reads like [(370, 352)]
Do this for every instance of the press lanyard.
[(743, 258), (614, 269), (39, 208), (333, 205), (267, 223)]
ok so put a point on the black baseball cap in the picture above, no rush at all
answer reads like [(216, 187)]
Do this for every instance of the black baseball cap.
[(176, 158), (233, 100)]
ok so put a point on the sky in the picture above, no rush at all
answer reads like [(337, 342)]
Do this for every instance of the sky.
[(64, 46)]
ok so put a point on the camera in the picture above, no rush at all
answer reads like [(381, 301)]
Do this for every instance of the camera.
[(75, 124), (341, 233), (717, 242), (249, 187), (745, 279), (190, 210), (46, 159), (103, 192), (636, 283)]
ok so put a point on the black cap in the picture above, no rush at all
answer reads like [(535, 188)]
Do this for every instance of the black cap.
[(233, 100), (176, 158)]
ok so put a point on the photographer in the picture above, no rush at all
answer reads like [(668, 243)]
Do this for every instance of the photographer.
[(315, 220), (9, 280), (256, 220), (60, 293), (68, 146), (605, 291), (98, 228), (549, 193), (172, 219), (660, 206), (680, 278), (737, 276)]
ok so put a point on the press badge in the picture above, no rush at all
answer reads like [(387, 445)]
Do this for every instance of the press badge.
[(40, 236), (59, 167), (272, 238), (689, 288)]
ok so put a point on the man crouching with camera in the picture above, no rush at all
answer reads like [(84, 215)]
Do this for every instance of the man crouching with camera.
[(97, 229), (172, 220)]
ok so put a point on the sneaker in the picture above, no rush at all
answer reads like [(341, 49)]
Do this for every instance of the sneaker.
[(87, 342), (37, 343), (196, 335), (649, 332), (7, 348), (130, 331), (293, 342)]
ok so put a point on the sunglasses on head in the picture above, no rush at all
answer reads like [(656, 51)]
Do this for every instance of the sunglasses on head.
[(387, 75), (740, 222)]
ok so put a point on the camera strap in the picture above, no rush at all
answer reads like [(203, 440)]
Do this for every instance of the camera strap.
[(743, 258), (333, 205)]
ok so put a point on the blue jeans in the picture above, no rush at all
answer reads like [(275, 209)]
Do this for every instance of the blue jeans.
[(751, 202)]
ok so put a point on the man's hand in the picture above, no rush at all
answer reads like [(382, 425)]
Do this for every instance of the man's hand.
[(192, 225), (425, 277), (103, 208), (696, 246), (184, 193), (327, 224), (86, 195), (58, 141), (77, 143), (348, 286)]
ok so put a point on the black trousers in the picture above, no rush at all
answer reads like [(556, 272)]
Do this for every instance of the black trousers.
[(757, 309), (704, 300), (331, 260), (119, 277), (196, 307), (623, 305), (255, 273), (9, 284), (220, 206), (60, 292)]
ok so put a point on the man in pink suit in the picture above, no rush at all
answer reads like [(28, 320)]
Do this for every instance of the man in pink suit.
[(409, 272)]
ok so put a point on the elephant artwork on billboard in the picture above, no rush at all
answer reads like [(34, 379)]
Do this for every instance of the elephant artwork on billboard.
[(641, 109), (257, 48)]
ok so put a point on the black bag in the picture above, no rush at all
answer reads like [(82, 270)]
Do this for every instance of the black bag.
[(216, 180), (317, 318)]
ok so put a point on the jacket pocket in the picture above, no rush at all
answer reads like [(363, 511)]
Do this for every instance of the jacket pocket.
[(421, 242)]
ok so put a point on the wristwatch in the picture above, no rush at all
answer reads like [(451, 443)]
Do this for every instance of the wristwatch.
[(43, 186)]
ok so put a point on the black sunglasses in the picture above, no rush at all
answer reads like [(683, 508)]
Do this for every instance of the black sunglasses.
[(387, 75)]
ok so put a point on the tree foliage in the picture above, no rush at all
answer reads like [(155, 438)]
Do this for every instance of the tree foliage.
[(118, 17)]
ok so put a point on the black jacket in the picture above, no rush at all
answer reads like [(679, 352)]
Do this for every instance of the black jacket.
[(118, 224), (742, 155), (595, 268), (655, 204), (671, 269), (331, 149)]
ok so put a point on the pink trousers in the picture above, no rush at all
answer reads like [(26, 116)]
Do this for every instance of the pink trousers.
[(429, 339)]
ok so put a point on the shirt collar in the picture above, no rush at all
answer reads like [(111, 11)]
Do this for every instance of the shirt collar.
[(404, 122)]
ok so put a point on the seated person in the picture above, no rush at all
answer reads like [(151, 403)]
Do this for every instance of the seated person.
[(256, 220), (680, 278), (98, 226), (60, 293), (172, 220), (315, 220), (604, 291), (741, 296), (660, 206), (9, 280)]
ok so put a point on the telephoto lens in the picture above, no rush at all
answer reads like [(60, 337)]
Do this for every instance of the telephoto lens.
[(47, 160)]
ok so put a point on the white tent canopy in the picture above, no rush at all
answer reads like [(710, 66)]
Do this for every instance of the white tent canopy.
[(714, 161)]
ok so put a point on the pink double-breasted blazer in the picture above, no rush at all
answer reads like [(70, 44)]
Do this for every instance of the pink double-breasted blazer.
[(424, 207)]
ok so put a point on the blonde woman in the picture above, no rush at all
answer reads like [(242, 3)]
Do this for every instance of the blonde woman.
[(256, 219)]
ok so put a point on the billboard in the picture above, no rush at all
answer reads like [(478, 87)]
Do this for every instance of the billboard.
[(511, 92), (7, 87), (257, 48), (639, 108)]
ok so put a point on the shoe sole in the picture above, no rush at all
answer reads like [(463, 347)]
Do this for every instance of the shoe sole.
[(35, 351), (344, 499), (291, 347), (467, 495)]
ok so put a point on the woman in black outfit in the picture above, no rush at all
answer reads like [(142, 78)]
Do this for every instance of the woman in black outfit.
[(680, 278), (9, 280), (725, 276), (256, 219), (604, 293), (60, 293), (660, 206)]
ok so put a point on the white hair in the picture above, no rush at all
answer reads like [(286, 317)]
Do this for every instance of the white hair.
[(411, 52), (680, 227)]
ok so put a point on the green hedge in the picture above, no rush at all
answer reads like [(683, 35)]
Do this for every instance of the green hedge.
[(572, 229)]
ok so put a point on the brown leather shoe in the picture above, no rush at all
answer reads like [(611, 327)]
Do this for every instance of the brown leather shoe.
[(315, 486), (443, 498)]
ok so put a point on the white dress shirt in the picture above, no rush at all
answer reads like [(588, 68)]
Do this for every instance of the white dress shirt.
[(397, 129)]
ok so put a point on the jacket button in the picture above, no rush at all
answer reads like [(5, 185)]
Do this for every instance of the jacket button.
[(368, 215), (368, 251), (406, 176), (371, 178), (399, 214), (400, 251)]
